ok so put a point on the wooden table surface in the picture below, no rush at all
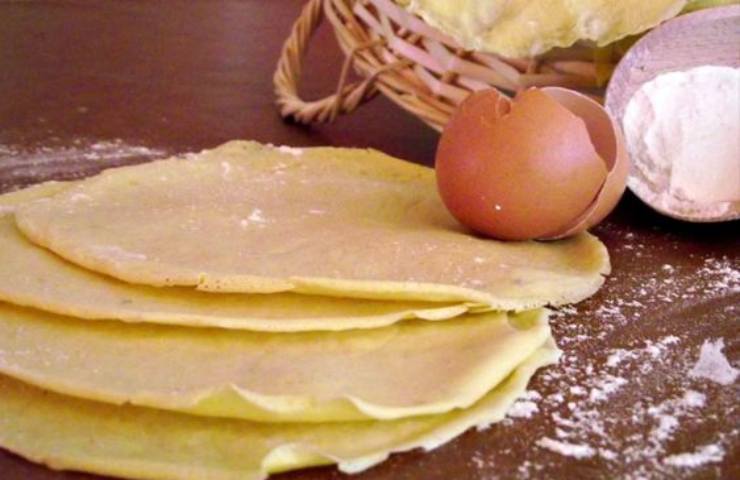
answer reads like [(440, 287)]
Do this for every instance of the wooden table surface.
[(86, 85)]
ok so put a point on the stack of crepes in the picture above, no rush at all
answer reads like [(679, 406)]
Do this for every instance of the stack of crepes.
[(255, 309)]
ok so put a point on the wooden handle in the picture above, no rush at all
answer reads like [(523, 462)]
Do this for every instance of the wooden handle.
[(288, 72)]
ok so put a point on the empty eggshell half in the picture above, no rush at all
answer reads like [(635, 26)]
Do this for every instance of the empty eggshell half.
[(548, 164), (608, 141), (517, 169)]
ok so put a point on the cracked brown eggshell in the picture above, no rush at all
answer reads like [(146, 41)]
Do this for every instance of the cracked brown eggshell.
[(547, 164), (608, 141)]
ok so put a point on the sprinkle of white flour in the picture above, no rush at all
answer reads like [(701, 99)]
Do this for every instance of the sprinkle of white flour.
[(713, 364), (523, 409), (627, 400), (694, 399), (667, 424), (605, 387), (532, 395), (296, 152), (668, 414), (77, 158), (256, 216), (577, 390), (618, 356), (101, 150), (79, 197), (480, 461), (706, 454), (656, 349), (226, 170), (115, 252), (567, 449)]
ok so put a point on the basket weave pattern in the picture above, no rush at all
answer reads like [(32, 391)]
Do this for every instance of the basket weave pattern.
[(422, 70)]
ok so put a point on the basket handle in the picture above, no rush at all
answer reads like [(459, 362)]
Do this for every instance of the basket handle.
[(288, 72)]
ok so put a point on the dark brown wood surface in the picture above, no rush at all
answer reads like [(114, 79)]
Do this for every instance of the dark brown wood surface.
[(85, 85)]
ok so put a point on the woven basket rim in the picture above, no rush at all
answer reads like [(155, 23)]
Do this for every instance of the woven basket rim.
[(419, 68)]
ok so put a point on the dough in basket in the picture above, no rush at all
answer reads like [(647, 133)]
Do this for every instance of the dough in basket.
[(526, 28)]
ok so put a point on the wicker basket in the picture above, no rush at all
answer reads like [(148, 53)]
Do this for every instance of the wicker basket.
[(415, 65)]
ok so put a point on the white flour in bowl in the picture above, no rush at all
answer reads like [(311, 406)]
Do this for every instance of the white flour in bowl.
[(683, 134)]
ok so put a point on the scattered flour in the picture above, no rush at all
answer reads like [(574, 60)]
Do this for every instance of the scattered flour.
[(567, 449), (605, 387), (694, 399), (102, 150), (577, 390), (256, 216), (656, 349), (80, 197), (226, 170), (296, 152), (480, 461), (618, 356), (76, 159), (665, 286), (526, 406), (703, 455), (584, 429), (595, 383), (523, 409), (713, 364), (117, 253)]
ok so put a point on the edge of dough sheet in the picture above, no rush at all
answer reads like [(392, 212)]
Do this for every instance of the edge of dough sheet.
[(133, 312), (230, 401), (416, 291), (124, 436), (9, 201), (598, 262)]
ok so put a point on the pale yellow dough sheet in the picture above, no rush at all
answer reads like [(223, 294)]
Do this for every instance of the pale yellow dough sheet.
[(525, 28), (341, 222), (32, 276), (412, 368), (12, 200), (134, 442)]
